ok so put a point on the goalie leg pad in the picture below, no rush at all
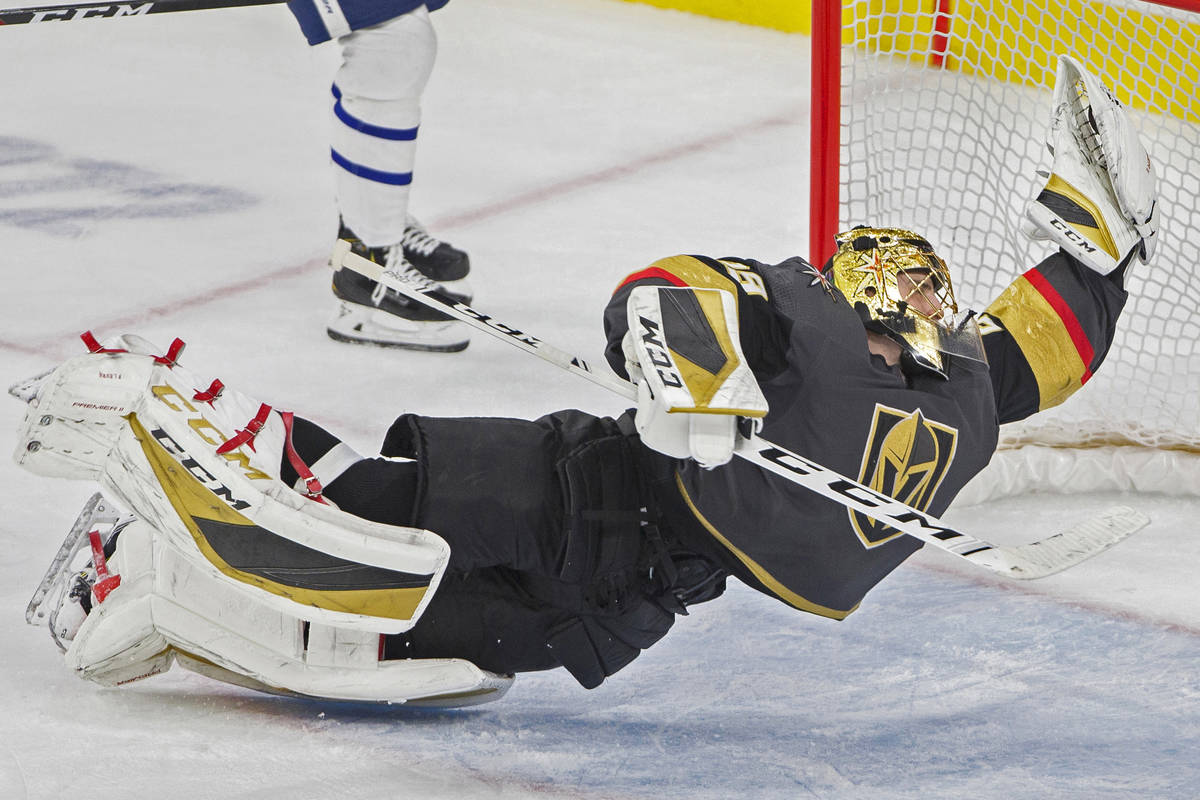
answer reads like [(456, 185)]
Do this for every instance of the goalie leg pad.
[(168, 607), (75, 414), (202, 467)]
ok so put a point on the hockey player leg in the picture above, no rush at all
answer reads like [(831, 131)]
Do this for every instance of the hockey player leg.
[(376, 119), (1100, 201)]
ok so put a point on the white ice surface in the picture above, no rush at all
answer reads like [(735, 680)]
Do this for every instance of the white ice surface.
[(168, 176)]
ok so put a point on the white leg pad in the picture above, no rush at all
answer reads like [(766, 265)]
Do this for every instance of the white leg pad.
[(140, 428), (167, 605)]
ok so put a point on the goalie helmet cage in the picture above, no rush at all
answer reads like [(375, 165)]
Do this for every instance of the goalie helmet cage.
[(934, 114)]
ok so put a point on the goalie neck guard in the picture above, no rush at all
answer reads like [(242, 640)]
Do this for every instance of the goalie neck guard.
[(901, 288)]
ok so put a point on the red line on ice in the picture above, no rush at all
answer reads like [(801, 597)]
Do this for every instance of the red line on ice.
[(59, 346)]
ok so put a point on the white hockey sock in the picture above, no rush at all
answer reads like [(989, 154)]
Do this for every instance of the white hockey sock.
[(376, 115)]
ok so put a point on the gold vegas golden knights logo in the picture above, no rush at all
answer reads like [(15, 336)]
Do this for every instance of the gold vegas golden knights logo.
[(906, 458)]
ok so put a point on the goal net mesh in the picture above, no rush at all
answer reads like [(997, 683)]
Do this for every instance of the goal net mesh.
[(953, 151)]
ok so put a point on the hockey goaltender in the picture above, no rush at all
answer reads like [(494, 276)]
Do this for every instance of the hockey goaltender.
[(255, 547)]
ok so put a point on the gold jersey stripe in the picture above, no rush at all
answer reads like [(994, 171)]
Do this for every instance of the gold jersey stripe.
[(765, 578), (192, 500), (695, 273), (1044, 340)]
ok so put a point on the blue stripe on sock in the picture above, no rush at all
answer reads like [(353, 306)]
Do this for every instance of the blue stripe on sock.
[(377, 175), (378, 131)]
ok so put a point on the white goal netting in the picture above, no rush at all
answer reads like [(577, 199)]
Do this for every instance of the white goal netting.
[(953, 152)]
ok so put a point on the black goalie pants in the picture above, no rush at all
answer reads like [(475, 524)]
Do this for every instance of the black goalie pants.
[(552, 562)]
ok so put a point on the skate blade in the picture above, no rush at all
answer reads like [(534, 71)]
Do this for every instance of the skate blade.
[(427, 347), (96, 511), (363, 325)]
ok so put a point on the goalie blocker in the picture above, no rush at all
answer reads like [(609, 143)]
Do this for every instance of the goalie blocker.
[(225, 568), (684, 353)]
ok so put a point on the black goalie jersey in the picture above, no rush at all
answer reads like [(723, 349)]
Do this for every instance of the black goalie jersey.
[(918, 438)]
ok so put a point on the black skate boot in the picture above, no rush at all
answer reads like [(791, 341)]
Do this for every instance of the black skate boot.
[(437, 260), (367, 313)]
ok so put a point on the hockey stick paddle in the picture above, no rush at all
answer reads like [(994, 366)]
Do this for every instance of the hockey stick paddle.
[(76, 11), (1026, 562)]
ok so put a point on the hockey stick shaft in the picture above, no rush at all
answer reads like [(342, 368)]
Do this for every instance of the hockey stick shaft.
[(77, 11), (1034, 560)]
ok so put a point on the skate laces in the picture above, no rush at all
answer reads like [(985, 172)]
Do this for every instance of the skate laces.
[(417, 239), (398, 267)]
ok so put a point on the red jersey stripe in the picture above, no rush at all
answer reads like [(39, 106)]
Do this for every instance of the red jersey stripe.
[(654, 272), (1082, 345)]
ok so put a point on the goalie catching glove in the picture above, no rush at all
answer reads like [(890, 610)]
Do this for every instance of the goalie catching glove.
[(1100, 200), (682, 351)]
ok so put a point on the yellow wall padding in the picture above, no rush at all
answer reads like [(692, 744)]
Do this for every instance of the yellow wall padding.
[(791, 16)]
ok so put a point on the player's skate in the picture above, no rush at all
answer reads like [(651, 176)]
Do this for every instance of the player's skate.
[(437, 260), (367, 313)]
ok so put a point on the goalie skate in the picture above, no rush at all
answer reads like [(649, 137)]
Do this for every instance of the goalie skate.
[(63, 598)]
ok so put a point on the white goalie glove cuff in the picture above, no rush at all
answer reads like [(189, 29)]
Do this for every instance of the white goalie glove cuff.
[(694, 385), (1100, 200)]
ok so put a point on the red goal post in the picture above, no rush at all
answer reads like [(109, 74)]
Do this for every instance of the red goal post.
[(933, 115)]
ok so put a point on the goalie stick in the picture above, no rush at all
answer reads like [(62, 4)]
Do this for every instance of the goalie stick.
[(1025, 562), (77, 11)]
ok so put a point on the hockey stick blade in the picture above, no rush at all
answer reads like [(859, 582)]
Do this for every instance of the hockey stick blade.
[(1056, 553), (78, 11), (1024, 562)]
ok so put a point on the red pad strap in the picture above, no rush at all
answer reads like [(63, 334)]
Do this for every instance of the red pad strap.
[(172, 356), (105, 582), (211, 393), (246, 435), (93, 346), (170, 359), (312, 486)]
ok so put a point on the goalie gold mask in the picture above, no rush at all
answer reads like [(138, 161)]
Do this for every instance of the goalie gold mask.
[(901, 288)]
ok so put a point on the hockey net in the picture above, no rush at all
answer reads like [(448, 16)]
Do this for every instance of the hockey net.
[(941, 126)]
